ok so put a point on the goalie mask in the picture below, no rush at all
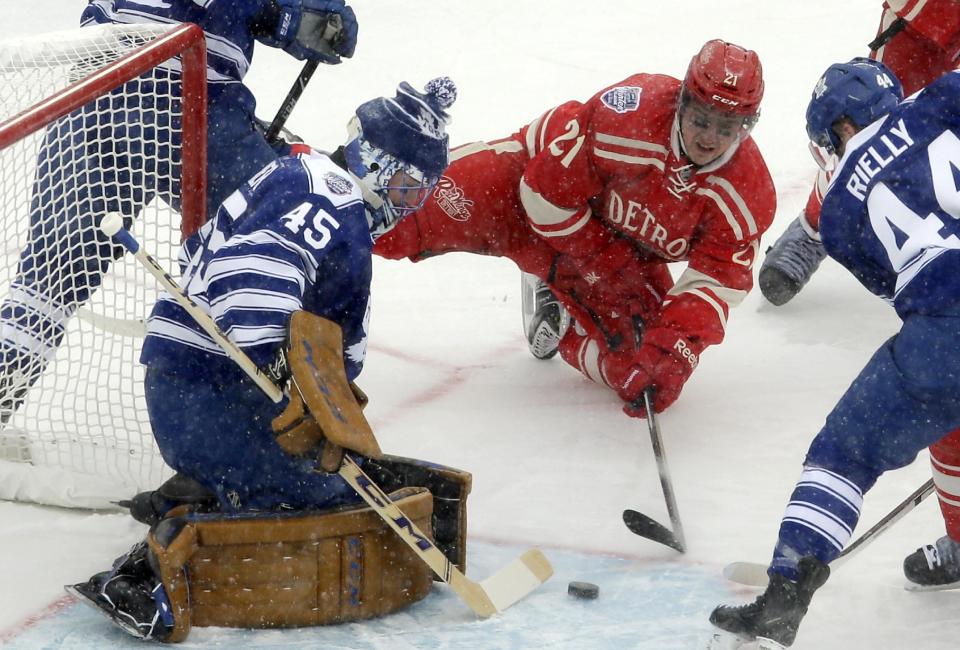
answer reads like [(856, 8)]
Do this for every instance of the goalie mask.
[(397, 150)]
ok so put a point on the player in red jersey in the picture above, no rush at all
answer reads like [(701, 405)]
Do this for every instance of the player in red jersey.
[(918, 40), (595, 199)]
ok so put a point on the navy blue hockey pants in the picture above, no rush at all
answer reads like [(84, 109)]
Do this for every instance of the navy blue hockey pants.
[(220, 435), (905, 399)]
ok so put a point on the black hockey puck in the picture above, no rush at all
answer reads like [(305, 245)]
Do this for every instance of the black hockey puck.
[(585, 590)]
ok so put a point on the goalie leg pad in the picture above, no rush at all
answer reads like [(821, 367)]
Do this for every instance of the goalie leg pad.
[(449, 487), (276, 570)]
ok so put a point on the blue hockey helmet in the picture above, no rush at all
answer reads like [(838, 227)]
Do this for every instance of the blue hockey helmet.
[(405, 133), (862, 90)]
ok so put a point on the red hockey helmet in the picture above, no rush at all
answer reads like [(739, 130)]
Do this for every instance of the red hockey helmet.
[(726, 77)]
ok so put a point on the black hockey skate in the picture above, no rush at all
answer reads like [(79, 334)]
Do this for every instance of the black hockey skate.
[(545, 321), (789, 264), (934, 566), (773, 618), (130, 596)]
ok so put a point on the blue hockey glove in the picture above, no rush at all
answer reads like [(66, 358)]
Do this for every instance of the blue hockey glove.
[(320, 30)]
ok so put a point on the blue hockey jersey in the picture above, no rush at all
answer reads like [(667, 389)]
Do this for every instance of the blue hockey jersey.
[(228, 25), (892, 212), (295, 236)]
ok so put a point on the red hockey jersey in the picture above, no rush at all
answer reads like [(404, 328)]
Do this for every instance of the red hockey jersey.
[(614, 166)]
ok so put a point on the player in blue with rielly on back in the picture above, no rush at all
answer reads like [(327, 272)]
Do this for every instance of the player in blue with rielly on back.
[(891, 216)]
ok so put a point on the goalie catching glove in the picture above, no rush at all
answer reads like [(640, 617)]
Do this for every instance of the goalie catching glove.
[(325, 410)]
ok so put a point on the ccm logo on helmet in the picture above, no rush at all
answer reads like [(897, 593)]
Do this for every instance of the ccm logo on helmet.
[(724, 100)]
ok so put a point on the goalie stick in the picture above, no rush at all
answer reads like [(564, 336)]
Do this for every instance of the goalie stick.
[(495, 594), (640, 523), (754, 574)]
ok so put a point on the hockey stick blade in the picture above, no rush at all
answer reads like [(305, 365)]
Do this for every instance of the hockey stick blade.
[(755, 575), (486, 598), (642, 525), (517, 579), (751, 574)]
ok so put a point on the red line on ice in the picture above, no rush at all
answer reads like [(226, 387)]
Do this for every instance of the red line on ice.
[(49, 611)]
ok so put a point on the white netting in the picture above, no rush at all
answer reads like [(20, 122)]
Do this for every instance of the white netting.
[(81, 435)]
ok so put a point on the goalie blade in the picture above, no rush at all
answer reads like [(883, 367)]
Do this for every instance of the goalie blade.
[(99, 606), (642, 525), (517, 579), (751, 574)]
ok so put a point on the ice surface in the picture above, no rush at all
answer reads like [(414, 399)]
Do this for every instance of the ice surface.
[(554, 460)]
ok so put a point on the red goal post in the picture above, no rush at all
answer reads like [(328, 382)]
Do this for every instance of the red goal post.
[(72, 102)]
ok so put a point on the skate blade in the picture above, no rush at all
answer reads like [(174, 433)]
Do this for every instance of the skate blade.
[(723, 640), (912, 586), (95, 606)]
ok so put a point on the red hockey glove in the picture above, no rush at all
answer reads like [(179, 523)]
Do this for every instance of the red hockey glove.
[(665, 361)]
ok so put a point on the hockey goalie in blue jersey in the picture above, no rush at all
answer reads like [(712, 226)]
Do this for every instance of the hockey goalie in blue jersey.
[(57, 271), (891, 216), (296, 238)]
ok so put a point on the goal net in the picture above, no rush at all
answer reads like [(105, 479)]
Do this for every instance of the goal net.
[(100, 119)]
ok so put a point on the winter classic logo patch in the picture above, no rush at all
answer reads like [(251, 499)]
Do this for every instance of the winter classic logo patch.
[(622, 99), (336, 184)]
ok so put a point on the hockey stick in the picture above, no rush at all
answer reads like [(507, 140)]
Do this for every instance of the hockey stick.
[(293, 96), (333, 31), (754, 574), (884, 37), (640, 523), (495, 594)]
